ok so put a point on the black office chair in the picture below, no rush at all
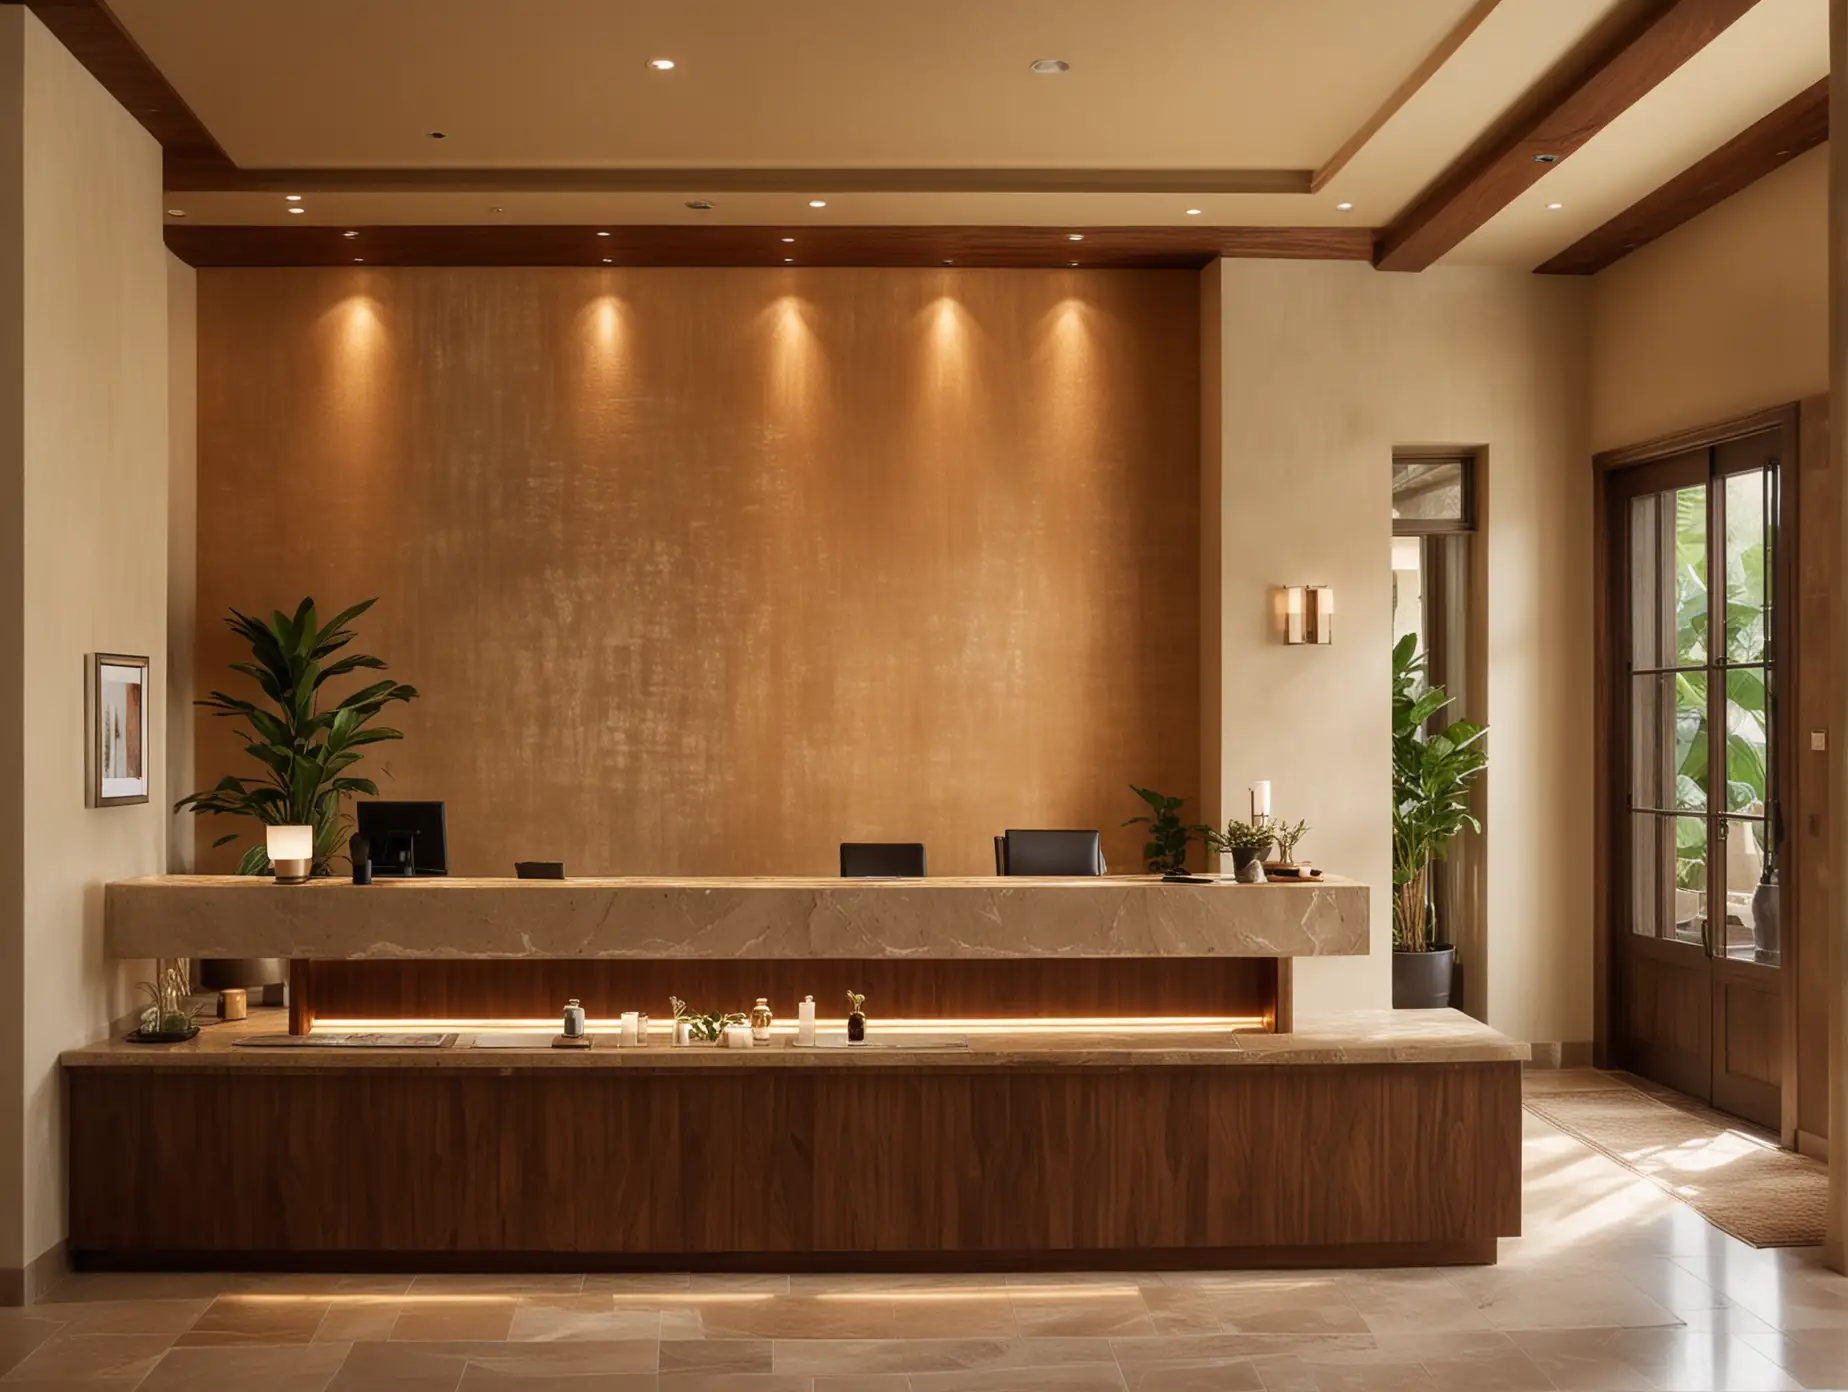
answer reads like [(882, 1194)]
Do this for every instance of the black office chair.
[(539, 869), (1049, 853), (870, 860)]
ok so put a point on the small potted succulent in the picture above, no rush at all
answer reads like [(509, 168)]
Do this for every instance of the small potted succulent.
[(856, 1018), (1246, 842), (166, 1020)]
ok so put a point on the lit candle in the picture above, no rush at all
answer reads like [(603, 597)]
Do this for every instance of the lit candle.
[(1260, 799)]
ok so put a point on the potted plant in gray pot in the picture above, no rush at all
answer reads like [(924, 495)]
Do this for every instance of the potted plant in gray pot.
[(1432, 775)]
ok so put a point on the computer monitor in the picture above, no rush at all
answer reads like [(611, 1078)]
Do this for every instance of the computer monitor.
[(406, 838)]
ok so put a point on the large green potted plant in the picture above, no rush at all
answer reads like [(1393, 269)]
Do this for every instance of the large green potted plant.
[(1433, 772), (307, 753), (1165, 852)]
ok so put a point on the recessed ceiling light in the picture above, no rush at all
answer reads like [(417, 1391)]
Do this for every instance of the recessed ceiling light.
[(176, 212), (818, 202), (788, 259), (438, 135), (497, 210), (699, 205), (609, 260), (603, 234), (359, 258), (350, 234), (661, 64), (1546, 159), (1554, 207), (1344, 207), (1074, 236), (789, 239), (948, 262), (1195, 212), (291, 198), (1071, 263), (298, 210), (1049, 67)]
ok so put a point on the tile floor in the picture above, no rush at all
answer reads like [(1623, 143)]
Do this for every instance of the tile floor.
[(1614, 1286)]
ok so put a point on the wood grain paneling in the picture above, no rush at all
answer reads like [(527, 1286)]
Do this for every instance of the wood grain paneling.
[(706, 572), (821, 1167), (1111, 248), (1800, 124), (1809, 895), (1619, 63), (895, 989)]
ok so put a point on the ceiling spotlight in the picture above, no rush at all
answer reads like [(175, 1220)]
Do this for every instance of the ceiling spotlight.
[(1195, 212), (176, 212), (948, 262), (1049, 67), (789, 239), (1546, 159), (661, 64), (818, 202), (699, 205), (1554, 207), (349, 234), (359, 258), (1074, 236), (1071, 263), (788, 259), (497, 210), (298, 210), (609, 260), (438, 135), (603, 234), (1344, 207), (291, 198)]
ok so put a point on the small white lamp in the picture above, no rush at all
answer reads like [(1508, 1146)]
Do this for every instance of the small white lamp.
[(291, 853)]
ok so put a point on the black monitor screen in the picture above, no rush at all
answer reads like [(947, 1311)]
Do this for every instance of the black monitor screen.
[(406, 838)]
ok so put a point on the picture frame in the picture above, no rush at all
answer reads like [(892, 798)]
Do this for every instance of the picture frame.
[(118, 697)]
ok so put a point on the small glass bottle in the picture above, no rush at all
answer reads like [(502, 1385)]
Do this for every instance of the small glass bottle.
[(856, 1020), (761, 1020)]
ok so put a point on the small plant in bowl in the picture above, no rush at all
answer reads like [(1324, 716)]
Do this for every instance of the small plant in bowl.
[(1287, 837), (709, 1029), (1245, 842), (166, 1020)]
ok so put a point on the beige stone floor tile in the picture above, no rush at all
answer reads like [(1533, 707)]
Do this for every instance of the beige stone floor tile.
[(734, 1382), (716, 1355), (873, 1382), (1468, 1360), (72, 1384), (444, 1322), (864, 1357), (834, 1283), (1075, 1377), (738, 1281), (567, 1357), (402, 1367), (1094, 1313), (1136, 1355), (1538, 1300), (90, 1286), (953, 1315), (358, 1322), (1294, 1305), (1814, 1357), (1356, 1371), (20, 1337), (788, 1317), (93, 1356), (236, 1319), (1178, 1310), (271, 1368), (488, 1283), (636, 1282), (480, 1380), (546, 1317), (128, 1316), (1394, 1301), (1090, 1278), (1237, 1376), (322, 1284)]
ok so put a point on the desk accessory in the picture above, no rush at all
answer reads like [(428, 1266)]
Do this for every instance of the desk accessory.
[(571, 1041), (574, 1019), (359, 854), (856, 1019), (761, 1020), (805, 1022), (233, 1003)]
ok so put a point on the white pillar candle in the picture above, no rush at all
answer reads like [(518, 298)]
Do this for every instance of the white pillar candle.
[(805, 1021), (631, 1023), (1260, 799), (737, 1036)]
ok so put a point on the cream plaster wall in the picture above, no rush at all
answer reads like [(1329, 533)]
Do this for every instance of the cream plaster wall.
[(93, 451), (12, 639), (1726, 315), (1325, 367)]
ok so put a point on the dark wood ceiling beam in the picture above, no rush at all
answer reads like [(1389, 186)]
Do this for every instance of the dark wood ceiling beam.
[(1800, 124), (1106, 248), (1620, 63)]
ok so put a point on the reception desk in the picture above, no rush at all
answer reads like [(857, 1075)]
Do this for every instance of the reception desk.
[(1087, 1074)]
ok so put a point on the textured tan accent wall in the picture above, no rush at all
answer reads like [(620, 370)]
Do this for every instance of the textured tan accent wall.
[(706, 571)]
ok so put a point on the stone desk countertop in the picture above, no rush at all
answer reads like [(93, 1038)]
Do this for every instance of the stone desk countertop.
[(1113, 916), (1352, 1037)]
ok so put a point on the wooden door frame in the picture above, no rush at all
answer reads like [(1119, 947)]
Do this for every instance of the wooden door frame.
[(1790, 419)]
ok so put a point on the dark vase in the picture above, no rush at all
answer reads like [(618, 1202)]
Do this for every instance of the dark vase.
[(1421, 980), (1766, 931), (1244, 857), (856, 1028)]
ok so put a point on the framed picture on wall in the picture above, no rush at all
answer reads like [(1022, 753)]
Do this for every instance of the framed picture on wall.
[(117, 698)]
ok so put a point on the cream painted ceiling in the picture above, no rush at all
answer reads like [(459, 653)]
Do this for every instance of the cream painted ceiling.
[(894, 84)]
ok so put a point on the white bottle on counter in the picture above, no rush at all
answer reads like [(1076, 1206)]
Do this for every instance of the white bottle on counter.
[(805, 1022)]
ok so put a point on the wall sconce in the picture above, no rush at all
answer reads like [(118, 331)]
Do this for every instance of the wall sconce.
[(291, 853), (1309, 614)]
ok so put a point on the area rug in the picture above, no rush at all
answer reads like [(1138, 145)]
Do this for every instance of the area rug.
[(1728, 1171)]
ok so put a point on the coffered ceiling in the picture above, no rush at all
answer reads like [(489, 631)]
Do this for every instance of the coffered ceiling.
[(1171, 114)]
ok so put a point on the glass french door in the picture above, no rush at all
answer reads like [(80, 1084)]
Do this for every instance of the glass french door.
[(1697, 603)]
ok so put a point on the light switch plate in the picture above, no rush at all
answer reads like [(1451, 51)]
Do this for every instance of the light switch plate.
[(1819, 740)]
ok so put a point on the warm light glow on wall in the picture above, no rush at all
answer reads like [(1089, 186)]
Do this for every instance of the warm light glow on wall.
[(1073, 1025)]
